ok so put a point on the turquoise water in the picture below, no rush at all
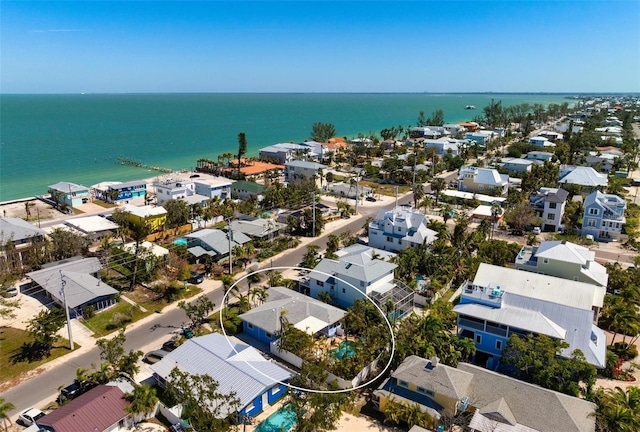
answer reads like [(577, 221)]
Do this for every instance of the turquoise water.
[(281, 420), (49, 138), (344, 349), (180, 242)]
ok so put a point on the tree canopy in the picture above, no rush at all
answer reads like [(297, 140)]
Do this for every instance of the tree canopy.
[(321, 132)]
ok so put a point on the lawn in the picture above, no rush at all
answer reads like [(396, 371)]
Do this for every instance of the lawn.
[(386, 189), (125, 313), (14, 359), (104, 203)]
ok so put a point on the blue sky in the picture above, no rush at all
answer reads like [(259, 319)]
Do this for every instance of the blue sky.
[(264, 46)]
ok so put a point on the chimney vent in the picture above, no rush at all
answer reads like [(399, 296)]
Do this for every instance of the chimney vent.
[(434, 361)]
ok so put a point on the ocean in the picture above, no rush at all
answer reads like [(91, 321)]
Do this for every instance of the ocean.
[(45, 139)]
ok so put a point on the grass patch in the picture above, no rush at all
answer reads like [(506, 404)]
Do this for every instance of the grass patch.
[(114, 318), (159, 304), (104, 203), (13, 358), (386, 189), (77, 211)]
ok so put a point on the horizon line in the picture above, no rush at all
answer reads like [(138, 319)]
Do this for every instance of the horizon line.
[(615, 93)]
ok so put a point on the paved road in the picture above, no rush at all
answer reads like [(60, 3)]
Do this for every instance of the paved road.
[(154, 329)]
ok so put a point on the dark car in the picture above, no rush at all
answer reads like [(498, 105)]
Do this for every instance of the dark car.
[(169, 345), (69, 392), (186, 332), (370, 199), (195, 278)]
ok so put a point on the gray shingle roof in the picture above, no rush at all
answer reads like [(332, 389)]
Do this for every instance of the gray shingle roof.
[(68, 187), (235, 372), (218, 241), (297, 306), (441, 379), (530, 405), (16, 229), (360, 266)]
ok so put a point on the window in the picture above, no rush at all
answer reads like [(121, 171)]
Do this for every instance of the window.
[(344, 290), (362, 283), (399, 229), (553, 205), (269, 335), (591, 222), (426, 392), (551, 216), (478, 338), (498, 345), (389, 239), (594, 211), (545, 260), (320, 283), (403, 383), (250, 325)]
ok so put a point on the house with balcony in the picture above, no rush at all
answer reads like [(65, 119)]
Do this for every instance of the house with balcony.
[(297, 170), (212, 186), (603, 216), (357, 272), (498, 402), (307, 314), (285, 152), (120, 191), (482, 180), (586, 177), (549, 205), (17, 238), (400, 228), (177, 189), (153, 217), (563, 259), (501, 302), (69, 194), (237, 368)]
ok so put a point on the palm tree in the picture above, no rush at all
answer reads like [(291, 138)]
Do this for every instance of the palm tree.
[(5, 407), (438, 185), (143, 401), (243, 303)]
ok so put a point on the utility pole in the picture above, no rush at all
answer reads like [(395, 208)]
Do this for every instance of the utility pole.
[(66, 309), (230, 237), (396, 190), (313, 214)]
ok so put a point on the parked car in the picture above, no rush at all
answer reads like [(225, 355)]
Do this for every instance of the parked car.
[(536, 230), (169, 345), (11, 291), (195, 278), (69, 392), (187, 332), (30, 416), (154, 356), (370, 199)]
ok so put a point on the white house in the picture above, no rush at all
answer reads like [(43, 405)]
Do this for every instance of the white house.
[(284, 152), (212, 186), (541, 141), (177, 189), (444, 145), (586, 177), (302, 170), (549, 205), (360, 266), (482, 180), (400, 228), (603, 216)]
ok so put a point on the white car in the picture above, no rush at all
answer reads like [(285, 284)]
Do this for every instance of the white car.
[(30, 416)]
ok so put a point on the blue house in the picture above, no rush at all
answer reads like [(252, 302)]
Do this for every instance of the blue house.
[(68, 193), (120, 191), (237, 368), (502, 301), (603, 216), (305, 313)]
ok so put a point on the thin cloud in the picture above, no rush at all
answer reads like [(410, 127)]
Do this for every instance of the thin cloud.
[(60, 30)]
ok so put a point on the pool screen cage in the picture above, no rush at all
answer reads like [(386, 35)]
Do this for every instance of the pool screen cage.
[(396, 302)]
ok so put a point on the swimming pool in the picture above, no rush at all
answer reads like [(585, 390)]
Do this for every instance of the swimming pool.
[(281, 420), (180, 242), (344, 349)]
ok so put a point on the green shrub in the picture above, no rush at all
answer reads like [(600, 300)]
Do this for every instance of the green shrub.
[(624, 351), (89, 312)]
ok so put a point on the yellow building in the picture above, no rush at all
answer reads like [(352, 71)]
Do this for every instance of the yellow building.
[(497, 402), (153, 217)]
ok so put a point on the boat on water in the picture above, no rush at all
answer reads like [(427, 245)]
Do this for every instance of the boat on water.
[(470, 107)]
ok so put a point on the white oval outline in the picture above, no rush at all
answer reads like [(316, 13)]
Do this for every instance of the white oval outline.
[(362, 385)]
